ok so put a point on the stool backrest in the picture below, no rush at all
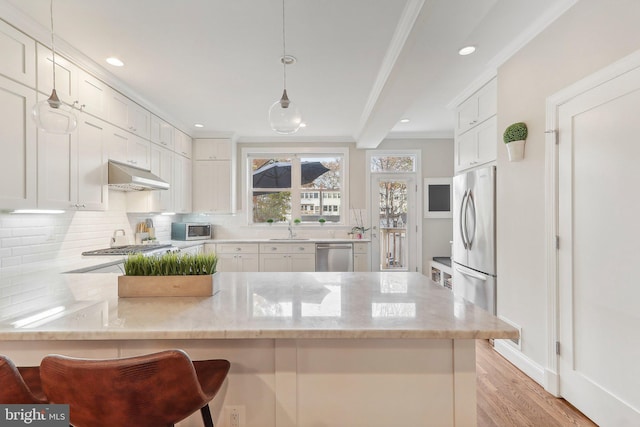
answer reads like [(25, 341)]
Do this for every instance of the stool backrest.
[(13, 389), (156, 390)]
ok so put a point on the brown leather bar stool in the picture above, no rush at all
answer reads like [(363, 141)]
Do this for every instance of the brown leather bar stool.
[(19, 385), (154, 390)]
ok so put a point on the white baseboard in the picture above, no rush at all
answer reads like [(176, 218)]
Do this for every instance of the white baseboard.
[(522, 362)]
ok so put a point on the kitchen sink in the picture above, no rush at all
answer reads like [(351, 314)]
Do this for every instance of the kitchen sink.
[(294, 239)]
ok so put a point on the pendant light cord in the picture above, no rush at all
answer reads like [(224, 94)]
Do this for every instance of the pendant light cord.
[(53, 47), (284, 50)]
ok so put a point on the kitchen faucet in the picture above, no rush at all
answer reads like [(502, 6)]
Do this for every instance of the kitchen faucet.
[(291, 233)]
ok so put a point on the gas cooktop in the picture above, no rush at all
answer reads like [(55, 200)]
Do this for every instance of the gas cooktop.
[(128, 250)]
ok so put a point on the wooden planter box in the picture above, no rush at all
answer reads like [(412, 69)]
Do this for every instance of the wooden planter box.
[(165, 286)]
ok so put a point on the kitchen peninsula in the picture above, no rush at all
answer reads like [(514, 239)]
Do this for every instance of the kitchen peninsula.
[(307, 349)]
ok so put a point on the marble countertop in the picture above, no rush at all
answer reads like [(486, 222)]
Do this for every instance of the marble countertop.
[(253, 306)]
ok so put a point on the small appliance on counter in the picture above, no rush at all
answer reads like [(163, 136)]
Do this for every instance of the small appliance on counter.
[(191, 231)]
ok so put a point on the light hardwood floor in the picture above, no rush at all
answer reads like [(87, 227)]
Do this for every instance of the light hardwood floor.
[(508, 398)]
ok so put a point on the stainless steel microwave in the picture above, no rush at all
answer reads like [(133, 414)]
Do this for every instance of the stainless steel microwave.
[(191, 231)]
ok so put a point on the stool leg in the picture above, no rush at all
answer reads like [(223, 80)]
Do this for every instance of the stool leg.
[(206, 416)]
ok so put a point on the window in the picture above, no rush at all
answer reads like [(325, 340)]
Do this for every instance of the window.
[(400, 163), (283, 186)]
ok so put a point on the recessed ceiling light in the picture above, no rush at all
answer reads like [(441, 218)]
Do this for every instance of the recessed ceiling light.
[(199, 125), (303, 125), (467, 50), (288, 60), (115, 62), (404, 120)]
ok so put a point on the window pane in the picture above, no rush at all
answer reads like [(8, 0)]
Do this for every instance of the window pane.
[(271, 173), (322, 175), (393, 164), (275, 206)]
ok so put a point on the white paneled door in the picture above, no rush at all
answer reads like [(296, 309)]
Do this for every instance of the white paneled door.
[(598, 224)]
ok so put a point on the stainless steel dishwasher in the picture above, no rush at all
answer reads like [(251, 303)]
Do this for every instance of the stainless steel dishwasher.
[(334, 257)]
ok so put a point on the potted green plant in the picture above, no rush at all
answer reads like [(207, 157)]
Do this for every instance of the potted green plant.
[(270, 221), (170, 274), (297, 221), (322, 221), (514, 137)]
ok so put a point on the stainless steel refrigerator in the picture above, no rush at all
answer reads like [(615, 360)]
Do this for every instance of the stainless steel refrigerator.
[(474, 237)]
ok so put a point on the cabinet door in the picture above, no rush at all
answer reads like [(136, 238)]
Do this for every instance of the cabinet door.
[(161, 132), (183, 144), (138, 120), (117, 145), (57, 167), (93, 94), (487, 136), (466, 148), (226, 263), (275, 262), (138, 151), (18, 55), (18, 144), (92, 169), (467, 115), (212, 186), (302, 262), (488, 101), (212, 149), (182, 184), (247, 263), (66, 76), (118, 109)]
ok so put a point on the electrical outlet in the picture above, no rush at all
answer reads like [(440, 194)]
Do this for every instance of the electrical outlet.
[(235, 416)]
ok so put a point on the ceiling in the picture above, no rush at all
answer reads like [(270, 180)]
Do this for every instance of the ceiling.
[(361, 66)]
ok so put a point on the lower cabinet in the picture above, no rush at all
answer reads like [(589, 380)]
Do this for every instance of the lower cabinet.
[(237, 257), (361, 257), (293, 257)]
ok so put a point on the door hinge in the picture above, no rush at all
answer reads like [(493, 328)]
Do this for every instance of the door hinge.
[(416, 188), (555, 135), (416, 228), (558, 348), (557, 242)]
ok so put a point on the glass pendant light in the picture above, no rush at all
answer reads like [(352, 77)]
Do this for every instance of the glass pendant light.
[(284, 116), (53, 115)]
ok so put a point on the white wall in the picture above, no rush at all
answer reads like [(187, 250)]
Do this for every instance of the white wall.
[(588, 37)]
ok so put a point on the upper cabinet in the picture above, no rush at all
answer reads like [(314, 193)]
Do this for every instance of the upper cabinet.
[(128, 115), (67, 76), (183, 144), (18, 55), (93, 94), (476, 129), (162, 132), (18, 145), (212, 149)]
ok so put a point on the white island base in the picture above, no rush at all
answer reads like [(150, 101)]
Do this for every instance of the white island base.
[(315, 382)]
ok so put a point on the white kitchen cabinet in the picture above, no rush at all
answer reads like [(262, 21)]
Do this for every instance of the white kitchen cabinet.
[(476, 129), (182, 182), (161, 163), (128, 148), (93, 94), (296, 257), (441, 274), (476, 146), (480, 106), (18, 163), (71, 168), (193, 250), (242, 257), (212, 186), (212, 149), (182, 143), (161, 132), (361, 257), (67, 76), (18, 55), (128, 115)]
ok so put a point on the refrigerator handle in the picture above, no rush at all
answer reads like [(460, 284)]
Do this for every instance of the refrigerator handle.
[(463, 219), (470, 274), (471, 203)]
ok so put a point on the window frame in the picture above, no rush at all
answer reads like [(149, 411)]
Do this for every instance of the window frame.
[(249, 153)]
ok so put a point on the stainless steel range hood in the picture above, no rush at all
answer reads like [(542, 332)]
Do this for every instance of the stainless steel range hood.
[(124, 177)]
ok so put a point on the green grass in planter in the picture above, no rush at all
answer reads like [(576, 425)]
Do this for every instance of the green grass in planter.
[(170, 264)]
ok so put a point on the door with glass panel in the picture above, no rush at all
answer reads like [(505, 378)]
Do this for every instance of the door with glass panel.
[(394, 236)]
